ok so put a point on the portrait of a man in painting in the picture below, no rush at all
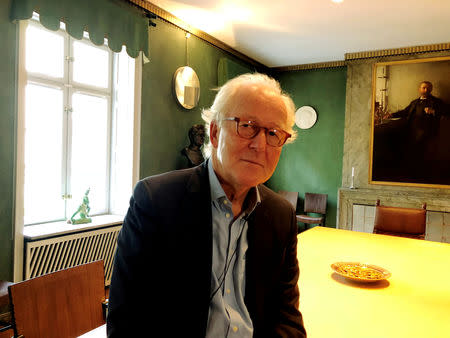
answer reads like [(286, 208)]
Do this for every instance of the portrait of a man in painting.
[(411, 123)]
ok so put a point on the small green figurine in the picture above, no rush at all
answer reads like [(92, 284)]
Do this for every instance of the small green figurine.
[(83, 211)]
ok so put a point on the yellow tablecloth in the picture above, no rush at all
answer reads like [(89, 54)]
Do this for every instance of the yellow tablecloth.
[(414, 302), (99, 332)]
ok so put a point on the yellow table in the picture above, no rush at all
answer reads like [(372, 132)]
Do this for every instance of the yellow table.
[(99, 332), (414, 302)]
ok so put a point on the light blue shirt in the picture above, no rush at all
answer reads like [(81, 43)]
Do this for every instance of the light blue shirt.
[(228, 315)]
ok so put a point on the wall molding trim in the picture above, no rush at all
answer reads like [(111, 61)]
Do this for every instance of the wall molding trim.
[(166, 16), (398, 51), (318, 65)]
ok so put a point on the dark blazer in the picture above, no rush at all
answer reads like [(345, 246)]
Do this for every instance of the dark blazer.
[(432, 101), (161, 279)]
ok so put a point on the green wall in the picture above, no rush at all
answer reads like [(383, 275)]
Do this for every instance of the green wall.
[(7, 138), (164, 123), (228, 69), (313, 163)]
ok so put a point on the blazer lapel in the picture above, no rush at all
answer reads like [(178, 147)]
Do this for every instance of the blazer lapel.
[(196, 234), (256, 263)]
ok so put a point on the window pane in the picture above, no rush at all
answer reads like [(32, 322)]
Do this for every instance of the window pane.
[(89, 160), (44, 52), (43, 154), (90, 65), (122, 157)]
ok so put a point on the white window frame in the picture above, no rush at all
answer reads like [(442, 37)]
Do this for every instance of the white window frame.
[(70, 87), (22, 80)]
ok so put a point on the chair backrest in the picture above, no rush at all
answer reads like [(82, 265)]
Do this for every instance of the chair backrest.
[(291, 196), (406, 222), (65, 303), (316, 203)]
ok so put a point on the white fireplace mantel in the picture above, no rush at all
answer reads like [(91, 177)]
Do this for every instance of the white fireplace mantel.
[(406, 199)]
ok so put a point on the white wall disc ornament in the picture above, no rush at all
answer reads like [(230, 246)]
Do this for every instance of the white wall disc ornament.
[(305, 117)]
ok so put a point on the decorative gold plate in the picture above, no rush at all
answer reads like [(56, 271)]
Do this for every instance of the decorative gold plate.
[(360, 272)]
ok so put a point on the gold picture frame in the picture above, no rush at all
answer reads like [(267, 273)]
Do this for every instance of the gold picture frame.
[(410, 123)]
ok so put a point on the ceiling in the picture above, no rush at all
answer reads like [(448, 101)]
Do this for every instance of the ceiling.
[(280, 33)]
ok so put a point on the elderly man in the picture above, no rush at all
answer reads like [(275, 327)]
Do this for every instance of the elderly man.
[(422, 116), (426, 108), (209, 251)]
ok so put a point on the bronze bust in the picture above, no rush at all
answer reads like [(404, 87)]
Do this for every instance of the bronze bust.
[(193, 153)]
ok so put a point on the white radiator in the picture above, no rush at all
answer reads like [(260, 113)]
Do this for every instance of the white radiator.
[(57, 253)]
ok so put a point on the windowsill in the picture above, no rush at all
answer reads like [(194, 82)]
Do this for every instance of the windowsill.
[(39, 231)]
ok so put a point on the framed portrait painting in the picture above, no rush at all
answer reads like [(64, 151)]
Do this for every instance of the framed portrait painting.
[(410, 134)]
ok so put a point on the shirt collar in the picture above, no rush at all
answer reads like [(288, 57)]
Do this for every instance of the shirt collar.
[(253, 198), (214, 184), (252, 201)]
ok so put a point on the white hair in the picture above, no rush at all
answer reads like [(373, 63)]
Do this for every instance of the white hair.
[(225, 101)]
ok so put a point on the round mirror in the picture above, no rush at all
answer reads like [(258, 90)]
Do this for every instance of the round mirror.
[(187, 87)]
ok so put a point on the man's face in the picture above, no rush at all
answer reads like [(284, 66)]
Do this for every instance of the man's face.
[(245, 163), (425, 89), (199, 137)]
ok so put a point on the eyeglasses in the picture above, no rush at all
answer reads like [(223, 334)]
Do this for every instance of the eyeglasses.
[(249, 129)]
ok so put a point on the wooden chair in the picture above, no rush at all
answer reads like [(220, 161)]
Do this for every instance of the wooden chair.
[(5, 311), (402, 222), (292, 197), (65, 303), (314, 203)]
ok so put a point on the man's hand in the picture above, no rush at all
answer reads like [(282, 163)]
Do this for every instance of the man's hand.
[(429, 111)]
